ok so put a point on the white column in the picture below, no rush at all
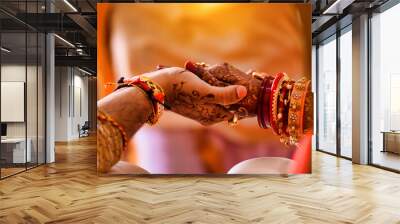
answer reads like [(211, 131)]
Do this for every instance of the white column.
[(50, 98), (50, 92), (360, 90)]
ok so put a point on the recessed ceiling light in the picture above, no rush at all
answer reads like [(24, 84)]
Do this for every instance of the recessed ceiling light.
[(70, 5), (84, 71), (338, 6), (65, 41), (5, 50)]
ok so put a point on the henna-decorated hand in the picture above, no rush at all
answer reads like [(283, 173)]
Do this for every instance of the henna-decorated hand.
[(192, 97), (225, 75)]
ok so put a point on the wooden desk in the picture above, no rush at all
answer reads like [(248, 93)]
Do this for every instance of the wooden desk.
[(391, 141)]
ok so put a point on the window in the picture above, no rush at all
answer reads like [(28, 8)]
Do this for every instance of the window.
[(14, 148), (326, 139), (346, 93), (314, 90), (385, 89), (22, 79)]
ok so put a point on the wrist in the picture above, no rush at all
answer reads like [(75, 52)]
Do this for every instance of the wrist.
[(128, 107), (163, 78), (160, 79)]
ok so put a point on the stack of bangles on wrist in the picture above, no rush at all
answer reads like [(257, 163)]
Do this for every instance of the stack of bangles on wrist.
[(285, 106)]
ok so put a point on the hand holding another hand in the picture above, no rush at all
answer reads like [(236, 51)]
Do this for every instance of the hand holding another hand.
[(190, 96), (211, 94), (224, 75)]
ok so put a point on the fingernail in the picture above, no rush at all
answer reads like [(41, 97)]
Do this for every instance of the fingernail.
[(241, 91)]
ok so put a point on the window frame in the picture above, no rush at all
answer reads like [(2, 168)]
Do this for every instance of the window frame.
[(334, 37)]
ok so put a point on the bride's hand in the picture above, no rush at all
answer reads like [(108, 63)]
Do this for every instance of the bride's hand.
[(194, 98), (226, 74)]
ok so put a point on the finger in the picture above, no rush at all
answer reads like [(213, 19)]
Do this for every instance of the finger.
[(207, 77), (225, 95), (259, 75), (195, 68), (202, 73), (228, 73), (214, 114), (167, 70)]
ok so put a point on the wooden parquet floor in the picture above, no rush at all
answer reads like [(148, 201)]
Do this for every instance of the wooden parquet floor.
[(70, 191)]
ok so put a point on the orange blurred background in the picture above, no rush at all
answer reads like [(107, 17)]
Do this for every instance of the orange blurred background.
[(135, 38)]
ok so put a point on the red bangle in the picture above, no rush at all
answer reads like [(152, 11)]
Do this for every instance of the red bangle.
[(260, 104), (273, 101), (263, 108), (281, 110)]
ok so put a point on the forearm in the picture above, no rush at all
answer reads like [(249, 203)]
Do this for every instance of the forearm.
[(129, 107), (124, 111)]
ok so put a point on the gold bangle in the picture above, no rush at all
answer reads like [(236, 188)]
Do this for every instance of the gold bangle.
[(101, 116), (297, 108)]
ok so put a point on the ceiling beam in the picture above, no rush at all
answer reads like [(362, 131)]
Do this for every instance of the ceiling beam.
[(337, 7), (84, 24), (78, 61), (49, 22)]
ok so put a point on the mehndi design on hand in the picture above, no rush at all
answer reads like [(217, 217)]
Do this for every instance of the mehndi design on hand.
[(225, 75)]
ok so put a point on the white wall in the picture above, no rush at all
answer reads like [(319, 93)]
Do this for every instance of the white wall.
[(14, 73), (71, 102), (61, 103)]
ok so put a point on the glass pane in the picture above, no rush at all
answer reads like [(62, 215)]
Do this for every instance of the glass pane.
[(386, 89), (314, 86), (32, 87), (22, 88), (41, 98), (13, 86), (31, 98), (327, 96), (346, 94)]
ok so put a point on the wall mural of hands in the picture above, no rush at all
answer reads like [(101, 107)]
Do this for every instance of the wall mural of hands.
[(134, 38)]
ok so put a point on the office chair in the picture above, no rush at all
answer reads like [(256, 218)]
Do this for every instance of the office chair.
[(84, 130)]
